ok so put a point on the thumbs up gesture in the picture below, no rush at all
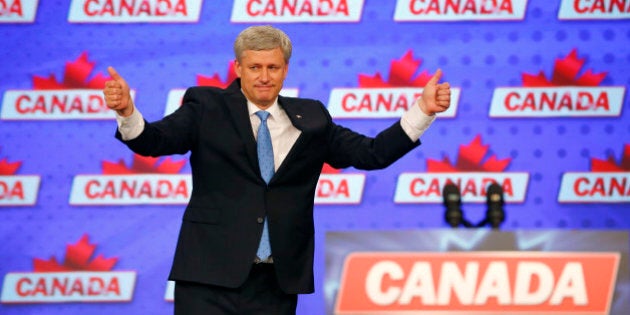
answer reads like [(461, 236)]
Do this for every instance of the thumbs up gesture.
[(117, 95), (436, 97)]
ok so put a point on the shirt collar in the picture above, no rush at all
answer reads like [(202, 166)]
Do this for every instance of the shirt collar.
[(274, 109)]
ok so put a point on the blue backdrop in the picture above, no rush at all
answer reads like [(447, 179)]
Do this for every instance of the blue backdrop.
[(476, 57)]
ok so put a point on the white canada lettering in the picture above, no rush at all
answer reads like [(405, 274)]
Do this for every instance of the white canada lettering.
[(135, 8), (297, 7), (571, 285), (535, 283), (441, 7), (529, 270)]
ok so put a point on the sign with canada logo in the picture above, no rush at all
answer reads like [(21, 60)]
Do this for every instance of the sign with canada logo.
[(78, 96), (485, 282), (607, 182), (477, 271), (125, 11), (336, 187), (18, 11), (571, 92), (17, 190), (300, 11), (147, 181), (379, 98), (80, 278), (594, 10), (472, 173), (462, 10)]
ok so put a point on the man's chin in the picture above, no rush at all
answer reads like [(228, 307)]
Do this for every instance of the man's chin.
[(264, 101), (266, 98)]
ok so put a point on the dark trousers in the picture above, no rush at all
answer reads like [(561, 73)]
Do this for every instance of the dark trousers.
[(259, 295)]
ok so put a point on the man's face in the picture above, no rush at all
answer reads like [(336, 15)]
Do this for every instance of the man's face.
[(262, 74)]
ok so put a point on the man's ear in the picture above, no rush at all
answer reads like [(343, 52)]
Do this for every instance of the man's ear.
[(286, 70), (237, 68)]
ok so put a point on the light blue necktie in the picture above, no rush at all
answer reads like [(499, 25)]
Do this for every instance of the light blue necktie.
[(265, 161)]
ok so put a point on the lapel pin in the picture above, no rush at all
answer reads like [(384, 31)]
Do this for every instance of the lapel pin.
[(298, 116)]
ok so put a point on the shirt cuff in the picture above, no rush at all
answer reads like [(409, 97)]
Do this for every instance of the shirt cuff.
[(130, 127), (415, 122)]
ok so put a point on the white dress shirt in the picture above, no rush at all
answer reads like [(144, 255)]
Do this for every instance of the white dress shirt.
[(283, 134)]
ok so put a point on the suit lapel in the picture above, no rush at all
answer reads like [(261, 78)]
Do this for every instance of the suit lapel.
[(236, 104), (299, 121)]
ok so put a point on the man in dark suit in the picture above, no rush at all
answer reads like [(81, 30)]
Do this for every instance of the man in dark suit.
[(247, 238)]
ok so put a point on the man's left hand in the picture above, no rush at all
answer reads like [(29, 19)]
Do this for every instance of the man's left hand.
[(436, 97)]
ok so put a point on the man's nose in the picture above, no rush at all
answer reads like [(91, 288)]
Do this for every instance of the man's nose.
[(264, 75)]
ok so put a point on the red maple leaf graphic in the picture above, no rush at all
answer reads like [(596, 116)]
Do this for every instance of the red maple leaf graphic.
[(565, 73), (401, 73), (215, 80), (327, 169), (469, 159), (610, 165), (77, 259), (7, 168), (143, 165), (75, 77)]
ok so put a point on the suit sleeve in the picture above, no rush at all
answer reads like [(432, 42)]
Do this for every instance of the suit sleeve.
[(348, 148), (173, 134)]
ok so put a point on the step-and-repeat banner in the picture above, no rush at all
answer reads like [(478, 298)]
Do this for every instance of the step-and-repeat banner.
[(539, 97)]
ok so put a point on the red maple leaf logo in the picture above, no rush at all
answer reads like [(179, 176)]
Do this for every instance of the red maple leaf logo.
[(610, 165), (143, 165), (7, 168), (401, 74), (75, 77), (327, 169), (470, 159), (215, 80), (77, 259), (565, 73)]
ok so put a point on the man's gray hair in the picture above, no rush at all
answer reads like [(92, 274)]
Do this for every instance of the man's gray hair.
[(262, 38)]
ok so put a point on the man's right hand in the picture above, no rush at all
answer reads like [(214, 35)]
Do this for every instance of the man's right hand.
[(117, 95)]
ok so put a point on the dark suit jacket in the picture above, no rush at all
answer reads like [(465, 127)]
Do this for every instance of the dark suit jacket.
[(221, 226)]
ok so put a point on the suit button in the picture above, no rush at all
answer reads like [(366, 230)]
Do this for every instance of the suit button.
[(260, 220)]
